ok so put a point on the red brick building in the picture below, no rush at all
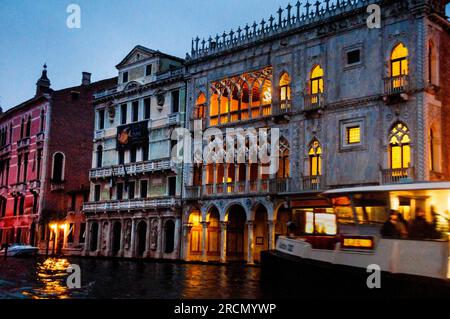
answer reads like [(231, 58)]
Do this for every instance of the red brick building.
[(45, 156)]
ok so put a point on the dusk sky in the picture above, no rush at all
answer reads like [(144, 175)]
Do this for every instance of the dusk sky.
[(34, 32)]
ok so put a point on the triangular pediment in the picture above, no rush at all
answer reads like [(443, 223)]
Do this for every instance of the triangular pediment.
[(138, 53)]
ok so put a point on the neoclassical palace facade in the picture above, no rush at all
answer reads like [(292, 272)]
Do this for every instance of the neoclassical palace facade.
[(354, 106), (135, 198)]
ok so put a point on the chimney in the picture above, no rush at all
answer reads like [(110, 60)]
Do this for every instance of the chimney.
[(86, 78), (43, 84)]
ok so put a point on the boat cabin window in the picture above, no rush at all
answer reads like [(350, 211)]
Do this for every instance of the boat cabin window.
[(315, 221)]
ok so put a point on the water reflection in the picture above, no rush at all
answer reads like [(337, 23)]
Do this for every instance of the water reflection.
[(46, 278), (51, 279)]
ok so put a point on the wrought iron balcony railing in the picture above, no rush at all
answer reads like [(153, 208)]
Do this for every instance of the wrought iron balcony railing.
[(397, 175), (312, 183), (314, 102), (396, 84)]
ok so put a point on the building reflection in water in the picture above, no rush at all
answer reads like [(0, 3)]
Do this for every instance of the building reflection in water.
[(51, 279)]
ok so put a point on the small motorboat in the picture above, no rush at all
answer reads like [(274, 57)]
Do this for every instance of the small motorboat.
[(19, 250)]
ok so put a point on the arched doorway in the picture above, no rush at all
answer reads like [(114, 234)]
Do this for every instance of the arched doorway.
[(116, 240), (94, 237), (213, 238), (169, 236), (141, 235), (260, 232), (236, 233), (195, 235)]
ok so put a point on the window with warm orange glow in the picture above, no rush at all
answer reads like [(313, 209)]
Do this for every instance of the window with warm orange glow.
[(400, 149), (199, 112), (320, 223), (315, 159), (285, 87), (284, 164), (241, 97), (399, 61), (317, 80)]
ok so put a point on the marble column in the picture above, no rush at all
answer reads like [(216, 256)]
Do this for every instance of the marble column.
[(250, 244), (87, 238), (204, 237), (122, 237), (223, 242), (185, 245), (99, 237), (177, 237), (159, 250), (147, 238), (133, 238), (271, 225)]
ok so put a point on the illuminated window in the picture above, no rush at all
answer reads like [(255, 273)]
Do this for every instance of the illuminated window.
[(285, 88), (248, 95), (315, 159), (284, 164), (320, 223), (353, 135), (199, 112), (400, 149), (399, 61), (317, 80)]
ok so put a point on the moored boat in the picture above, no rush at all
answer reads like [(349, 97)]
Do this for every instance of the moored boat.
[(18, 250)]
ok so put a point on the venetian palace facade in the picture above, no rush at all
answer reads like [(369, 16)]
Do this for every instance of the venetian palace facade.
[(353, 105), (45, 143), (135, 199)]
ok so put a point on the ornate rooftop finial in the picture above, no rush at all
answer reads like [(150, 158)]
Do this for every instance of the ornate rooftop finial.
[(43, 84), (327, 5), (289, 7), (271, 22), (263, 23), (298, 5), (317, 7), (280, 11), (307, 5)]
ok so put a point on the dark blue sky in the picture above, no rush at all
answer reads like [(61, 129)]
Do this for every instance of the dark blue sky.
[(34, 31)]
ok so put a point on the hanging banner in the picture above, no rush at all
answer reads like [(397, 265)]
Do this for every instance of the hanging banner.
[(132, 135)]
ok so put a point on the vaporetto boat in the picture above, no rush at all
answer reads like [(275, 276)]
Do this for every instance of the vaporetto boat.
[(340, 251)]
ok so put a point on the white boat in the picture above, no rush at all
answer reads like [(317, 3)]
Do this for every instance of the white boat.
[(350, 242), (18, 250)]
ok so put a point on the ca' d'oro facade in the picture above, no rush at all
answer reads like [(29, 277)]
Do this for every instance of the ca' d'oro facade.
[(354, 106), (135, 199)]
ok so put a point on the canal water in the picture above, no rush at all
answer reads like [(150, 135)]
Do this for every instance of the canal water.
[(46, 278)]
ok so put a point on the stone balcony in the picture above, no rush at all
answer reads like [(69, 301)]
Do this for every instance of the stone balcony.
[(132, 169), (262, 186), (56, 186), (24, 142), (18, 188), (397, 175), (34, 185), (5, 149), (132, 204), (40, 137), (312, 183)]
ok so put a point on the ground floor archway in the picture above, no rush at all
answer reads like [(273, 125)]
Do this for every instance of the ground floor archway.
[(169, 236), (141, 239), (236, 233), (116, 238)]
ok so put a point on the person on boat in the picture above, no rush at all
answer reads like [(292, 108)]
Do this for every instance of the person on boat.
[(393, 227), (420, 228)]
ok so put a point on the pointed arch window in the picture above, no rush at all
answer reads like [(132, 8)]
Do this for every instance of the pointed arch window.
[(200, 105), (400, 147), (317, 74), (315, 159), (285, 90), (284, 169), (432, 70), (399, 61)]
